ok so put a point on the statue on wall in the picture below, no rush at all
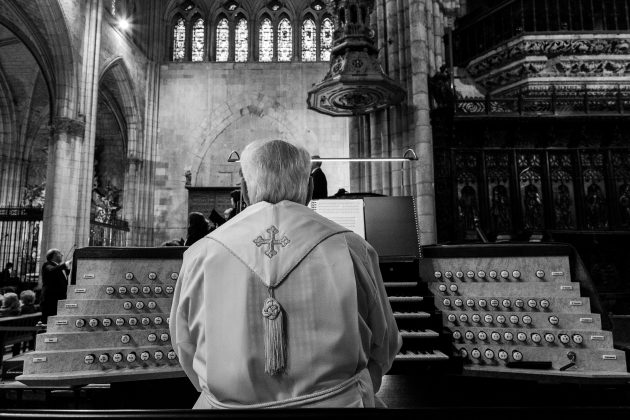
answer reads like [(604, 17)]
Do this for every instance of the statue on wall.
[(624, 203), (595, 207), (34, 195), (105, 201), (188, 176), (500, 210), (533, 208), (440, 88), (467, 207), (562, 207)]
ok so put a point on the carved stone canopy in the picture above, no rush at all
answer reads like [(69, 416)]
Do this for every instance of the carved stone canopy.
[(355, 83)]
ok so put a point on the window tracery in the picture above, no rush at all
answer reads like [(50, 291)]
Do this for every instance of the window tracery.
[(179, 40), (285, 40), (241, 40), (231, 40), (198, 40), (223, 40), (326, 39), (309, 40), (265, 41)]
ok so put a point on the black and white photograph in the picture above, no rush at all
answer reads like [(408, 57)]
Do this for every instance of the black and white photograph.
[(314, 208)]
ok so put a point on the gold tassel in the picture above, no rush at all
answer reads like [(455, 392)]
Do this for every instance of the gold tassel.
[(275, 340)]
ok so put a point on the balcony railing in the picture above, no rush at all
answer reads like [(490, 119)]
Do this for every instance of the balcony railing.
[(475, 35)]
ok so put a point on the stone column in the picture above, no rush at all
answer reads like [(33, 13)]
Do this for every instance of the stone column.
[(422, 177), (63, 180), (88, 102)]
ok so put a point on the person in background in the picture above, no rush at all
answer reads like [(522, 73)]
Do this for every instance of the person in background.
[(10, 305), (54, 282), (198, 227), (235, 199), (7, 274), (320, 185), (27, 298), (282, 307)]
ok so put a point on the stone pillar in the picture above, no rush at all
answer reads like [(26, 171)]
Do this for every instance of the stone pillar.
[(63, 179), (422, 177), (88, 103), (71, 152)]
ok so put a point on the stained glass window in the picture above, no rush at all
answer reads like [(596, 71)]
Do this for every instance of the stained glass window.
[(265, 41), (309, 41), (179, 40), (285, 40), (113, 9), (198, 37), (241, 40), (326, 39), (223, 40)]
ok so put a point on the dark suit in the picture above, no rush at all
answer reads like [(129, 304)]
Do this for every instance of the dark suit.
[(320, 185), (54, 287)]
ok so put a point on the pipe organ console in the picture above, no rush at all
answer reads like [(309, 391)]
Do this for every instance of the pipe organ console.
[(520, 309), (113, 326), (514, 309)]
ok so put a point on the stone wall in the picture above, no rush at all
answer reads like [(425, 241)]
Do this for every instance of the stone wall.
[(206, 110)]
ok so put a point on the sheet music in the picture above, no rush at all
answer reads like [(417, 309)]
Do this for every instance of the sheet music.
[(347, 213)]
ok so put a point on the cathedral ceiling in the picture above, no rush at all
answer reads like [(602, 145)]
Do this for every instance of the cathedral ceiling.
[(25, 80)]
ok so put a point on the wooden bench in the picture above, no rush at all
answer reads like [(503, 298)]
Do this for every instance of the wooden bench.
[(18, 331)]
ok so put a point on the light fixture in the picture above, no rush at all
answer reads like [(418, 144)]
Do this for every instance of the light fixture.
[(408, 155), (123, 24)]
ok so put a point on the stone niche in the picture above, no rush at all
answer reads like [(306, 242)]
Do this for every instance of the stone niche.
[(209, 109)]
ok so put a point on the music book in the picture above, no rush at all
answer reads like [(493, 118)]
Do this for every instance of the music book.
[(347, 213)]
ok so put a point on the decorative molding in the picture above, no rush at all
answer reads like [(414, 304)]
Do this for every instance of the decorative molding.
[(564, 67), (549, 47), (70, 126)]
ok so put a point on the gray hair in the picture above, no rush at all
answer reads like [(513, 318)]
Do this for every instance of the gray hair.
[(276, 170)]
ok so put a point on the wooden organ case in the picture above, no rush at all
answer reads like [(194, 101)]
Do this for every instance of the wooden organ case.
[(522, 310)]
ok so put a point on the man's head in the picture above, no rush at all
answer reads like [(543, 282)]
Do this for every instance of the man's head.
[(27, 297), (274, 171), (9, 265), (54, 255), (315, 164)]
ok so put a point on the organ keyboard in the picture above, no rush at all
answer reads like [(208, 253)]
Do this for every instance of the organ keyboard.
[(510, 308)]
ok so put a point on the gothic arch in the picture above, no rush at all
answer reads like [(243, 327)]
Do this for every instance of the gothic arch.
[(44, 32), (115, 74), (252, 106)]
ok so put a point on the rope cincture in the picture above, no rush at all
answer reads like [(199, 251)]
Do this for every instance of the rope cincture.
[(275, 337)]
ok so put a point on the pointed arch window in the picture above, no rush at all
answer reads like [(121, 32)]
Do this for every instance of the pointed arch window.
[(265, 41), (198, 40), (241, 36), (223, 40), (285, 40), (325, 37), (309, 40), (179, 40)]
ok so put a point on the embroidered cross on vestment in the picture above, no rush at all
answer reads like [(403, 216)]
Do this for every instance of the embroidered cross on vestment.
[(271, 241)]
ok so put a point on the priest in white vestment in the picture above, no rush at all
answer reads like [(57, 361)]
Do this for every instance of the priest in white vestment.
[(281, 307)]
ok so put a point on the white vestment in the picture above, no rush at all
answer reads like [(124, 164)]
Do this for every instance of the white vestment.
[(340, 330)]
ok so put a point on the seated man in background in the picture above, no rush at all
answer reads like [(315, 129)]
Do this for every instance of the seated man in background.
[(282, 307), (27, 298), (10, 305)]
